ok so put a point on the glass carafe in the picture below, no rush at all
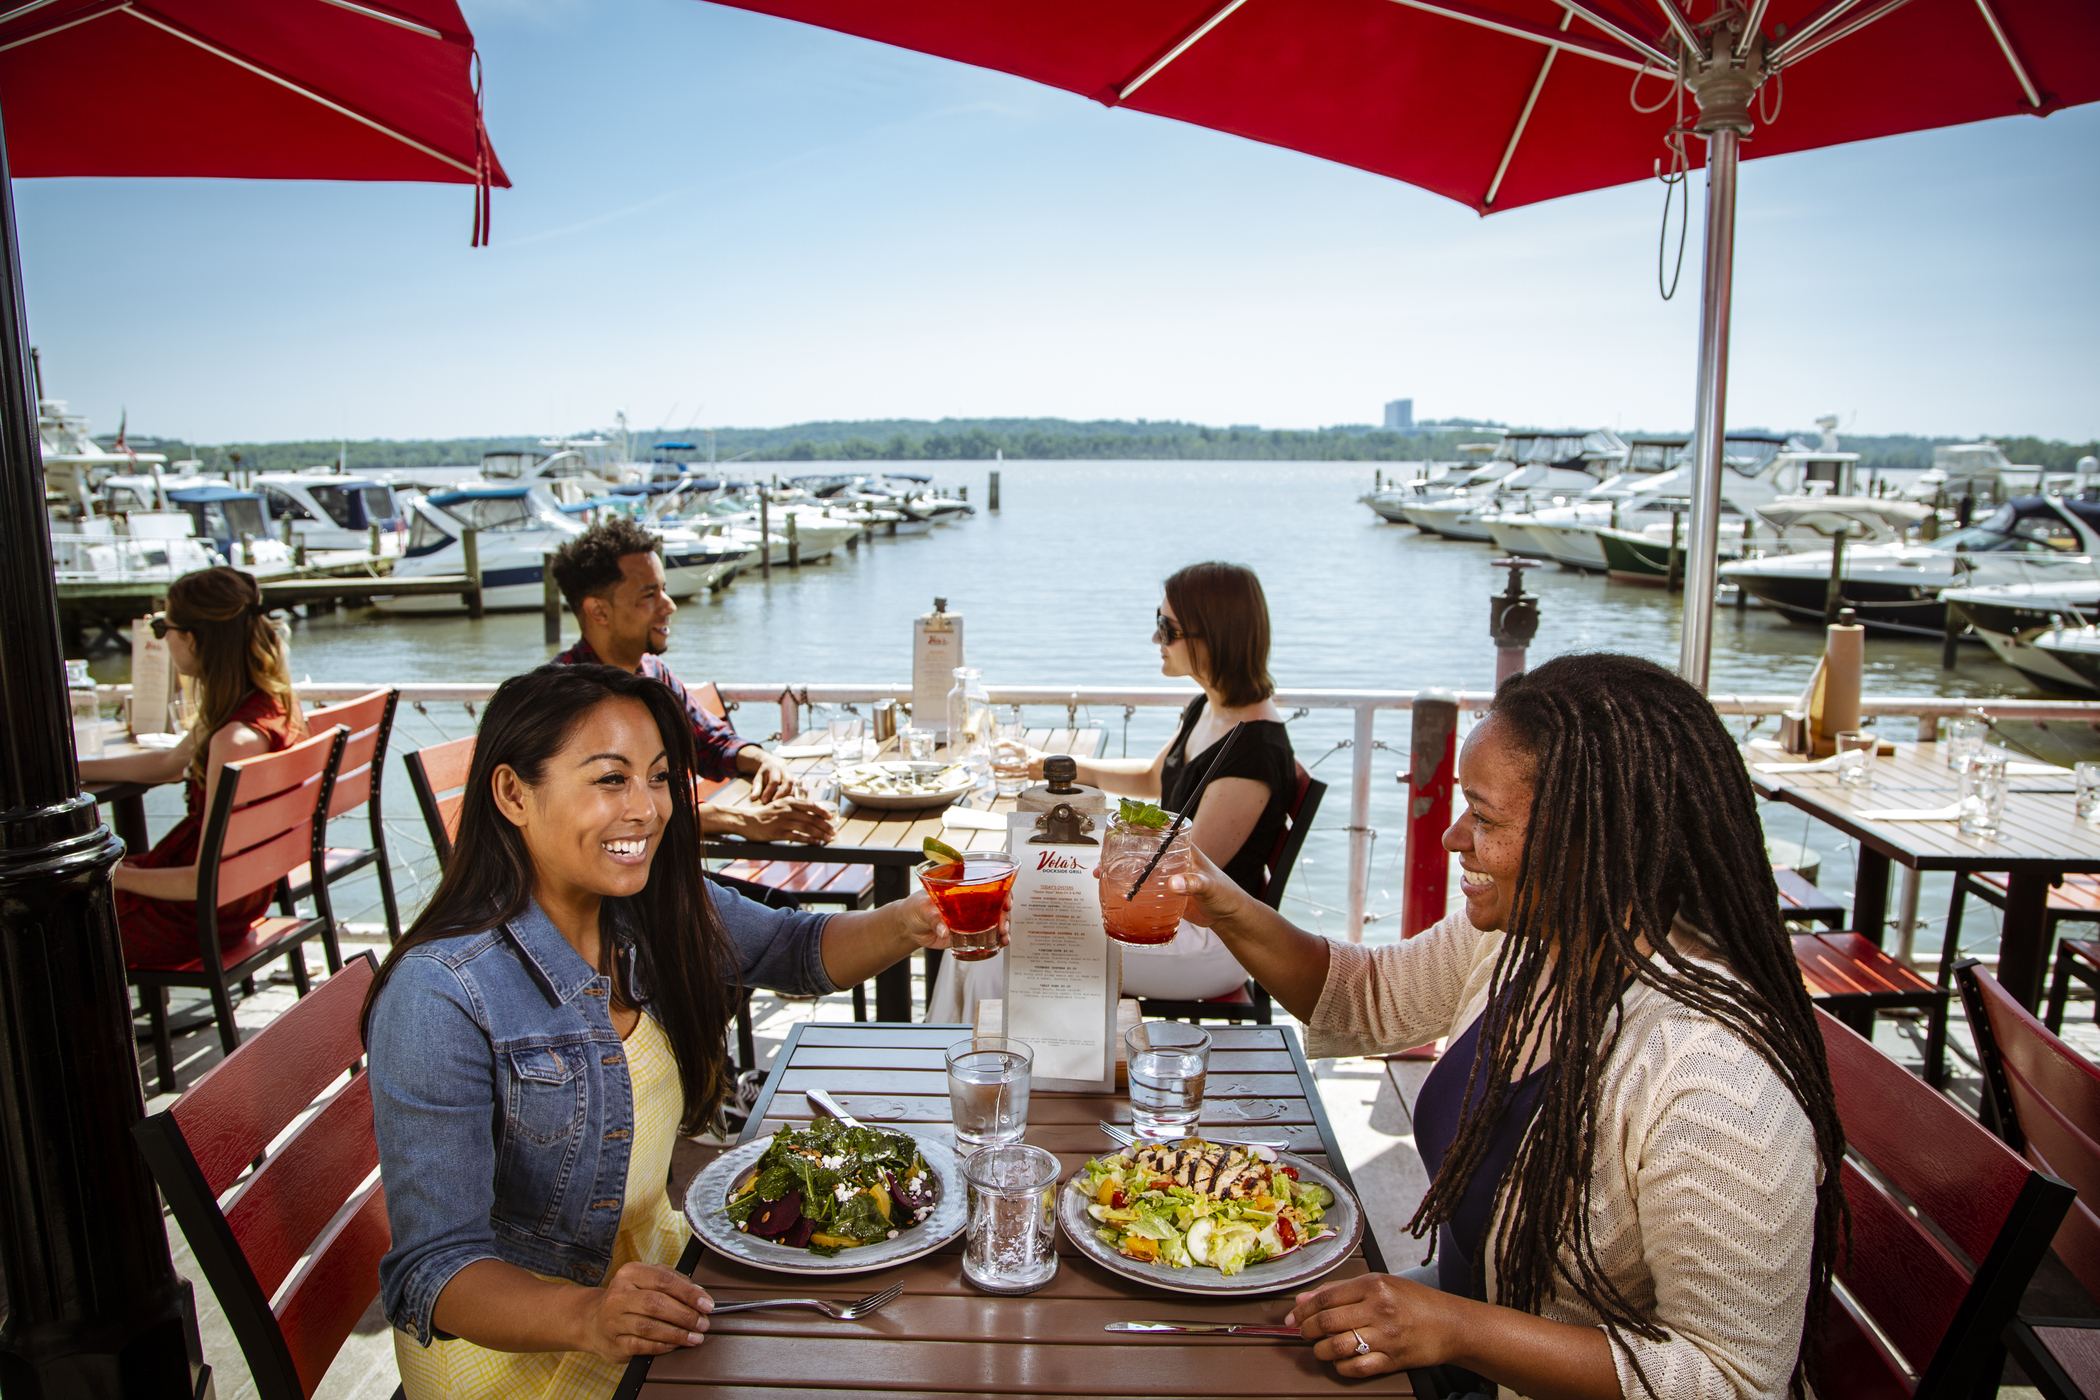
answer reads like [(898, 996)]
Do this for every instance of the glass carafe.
[(970, 723)]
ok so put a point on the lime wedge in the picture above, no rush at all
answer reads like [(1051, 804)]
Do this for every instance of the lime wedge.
[(937, 849)]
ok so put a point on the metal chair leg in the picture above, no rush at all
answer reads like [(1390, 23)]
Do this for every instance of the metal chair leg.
[(222, 1012), (1936, 1044), (163, 1048), (2059, 990)]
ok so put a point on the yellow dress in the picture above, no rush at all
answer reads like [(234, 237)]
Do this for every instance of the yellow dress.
[(652, 1231)]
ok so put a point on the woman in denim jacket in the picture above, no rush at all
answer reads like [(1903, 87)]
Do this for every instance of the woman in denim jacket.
[(549, 1026)]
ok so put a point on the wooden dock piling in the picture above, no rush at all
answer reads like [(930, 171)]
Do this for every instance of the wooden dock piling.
[(550, 600), (1834, 592), (794, 543), (765, 535), (992, 493), (470, 547)]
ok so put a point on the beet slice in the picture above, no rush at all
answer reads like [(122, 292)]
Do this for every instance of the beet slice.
[(902, 1212), (798, 1235), (776, 1217)]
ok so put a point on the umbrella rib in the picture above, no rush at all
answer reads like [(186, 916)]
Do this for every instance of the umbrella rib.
[(1681, 26), (56, 28), (1178, 50), (1990, 17), (1808, 29), (384, 17), (1524, 29), (301, 89), (1637, 42), (1791, 53), (1751, 25), (1524, 117)]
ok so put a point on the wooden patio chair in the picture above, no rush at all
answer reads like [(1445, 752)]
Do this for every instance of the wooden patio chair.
[(2076, 898), (1251, 1002), (1801, 902), (264, 824), (2043, 1098), (370, 720), (1947, 1227), (308, 1226), (437, 775), (1850, 976)]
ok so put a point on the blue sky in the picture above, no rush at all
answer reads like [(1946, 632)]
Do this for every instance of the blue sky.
[(725, 219)]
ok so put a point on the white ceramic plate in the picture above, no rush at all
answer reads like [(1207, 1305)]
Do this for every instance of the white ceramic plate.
[(1293, 1270), (711, 1190), (958, 782)]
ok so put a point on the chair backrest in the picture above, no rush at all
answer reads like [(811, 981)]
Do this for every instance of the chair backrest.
[(709, 698), (439, 776), (316, 1197), (262, 820), (2045, 1098), (370, 720), (1942, 1311), (1304, 803)]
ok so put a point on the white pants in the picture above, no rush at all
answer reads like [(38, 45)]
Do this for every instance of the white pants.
[(1196, 966)]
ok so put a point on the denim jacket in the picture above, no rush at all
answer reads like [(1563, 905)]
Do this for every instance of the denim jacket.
[(501, 1099)]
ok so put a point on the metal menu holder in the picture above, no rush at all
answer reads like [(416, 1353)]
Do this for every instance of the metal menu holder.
[(1062, 972), (151, 671), (936, 650)]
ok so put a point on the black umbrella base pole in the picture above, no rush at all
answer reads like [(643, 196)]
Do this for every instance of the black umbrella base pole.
[(93, 1305)]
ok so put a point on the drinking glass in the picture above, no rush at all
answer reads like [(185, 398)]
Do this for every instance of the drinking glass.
[(1154, 916), (1009, 751), (2088, 792), (1168, 1064), (988, 1089), (822, 789), (1855, 756), (971, 894), (1010, 1245), (845, 739), (916, 744), (1982, 795), (1964, 737)]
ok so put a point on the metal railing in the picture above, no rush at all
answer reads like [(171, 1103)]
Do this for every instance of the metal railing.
[(792, 701)]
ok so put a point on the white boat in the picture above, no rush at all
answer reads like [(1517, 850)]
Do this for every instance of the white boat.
[(158, 547), (1530, 470), (75, 465), (2012, 618), (328, 510)]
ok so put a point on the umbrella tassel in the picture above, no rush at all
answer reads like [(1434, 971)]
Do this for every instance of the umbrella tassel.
[(482, 207)]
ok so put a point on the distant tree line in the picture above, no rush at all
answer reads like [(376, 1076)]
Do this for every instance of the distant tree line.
[(1024, 439)]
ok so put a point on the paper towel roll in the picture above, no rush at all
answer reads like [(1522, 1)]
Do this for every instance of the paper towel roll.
[(1837, 711)]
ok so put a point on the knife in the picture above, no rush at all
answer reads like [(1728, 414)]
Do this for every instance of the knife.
[(1212, 1329)]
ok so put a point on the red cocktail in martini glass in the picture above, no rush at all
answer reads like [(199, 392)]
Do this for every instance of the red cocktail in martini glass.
[(971, 893)]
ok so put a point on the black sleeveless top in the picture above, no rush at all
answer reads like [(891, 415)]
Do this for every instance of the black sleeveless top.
[(1263, 753)]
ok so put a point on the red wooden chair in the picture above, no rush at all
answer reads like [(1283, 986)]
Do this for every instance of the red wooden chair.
[(1251, 1002), (2076, 898), (261, 827), (1947, 1227), (1800, 902), (1854, 980), (438, 776), (2043, 1098), (370, 720), (309, 1225)]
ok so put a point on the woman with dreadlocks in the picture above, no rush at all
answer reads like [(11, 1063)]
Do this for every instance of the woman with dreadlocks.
[(1629, 1132)]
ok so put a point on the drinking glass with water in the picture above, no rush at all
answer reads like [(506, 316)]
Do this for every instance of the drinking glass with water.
[(1168, 1065), (1981, 801), (2088, 792), (1964, 737), (988, 1090), (1855, 758), (1010, 1247)]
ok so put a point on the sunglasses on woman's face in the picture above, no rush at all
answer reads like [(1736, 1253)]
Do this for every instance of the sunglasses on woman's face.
[(1164, 630), (162, 627)]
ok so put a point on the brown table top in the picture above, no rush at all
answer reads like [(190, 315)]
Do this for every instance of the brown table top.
[(2041, 827), (866, 835), (945, 1338)]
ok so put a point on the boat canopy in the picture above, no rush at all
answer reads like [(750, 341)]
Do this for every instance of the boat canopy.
[(223, 514), (676, 447), (189, 494), (2030, 523), (490, 507)]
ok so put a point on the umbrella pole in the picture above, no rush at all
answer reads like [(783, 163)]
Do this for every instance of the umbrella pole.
[(1710, 417), (94, 1307)]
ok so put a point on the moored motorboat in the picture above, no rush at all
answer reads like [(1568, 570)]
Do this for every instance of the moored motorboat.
[(2009, 617)]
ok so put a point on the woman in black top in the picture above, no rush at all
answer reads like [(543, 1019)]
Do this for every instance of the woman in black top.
[(1213, 627)]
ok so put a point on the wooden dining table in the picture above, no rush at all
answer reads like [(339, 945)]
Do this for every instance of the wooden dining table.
[(126, 800), (891, 841), (942, 1337), (2040, 840)]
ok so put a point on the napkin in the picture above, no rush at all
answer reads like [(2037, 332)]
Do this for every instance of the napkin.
[(970, 819), (1913, 814), (1821, 765), (2017, 769), (803, 751), (157, 741)]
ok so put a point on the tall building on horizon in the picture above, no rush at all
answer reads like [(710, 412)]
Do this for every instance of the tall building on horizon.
[(1400, 416)]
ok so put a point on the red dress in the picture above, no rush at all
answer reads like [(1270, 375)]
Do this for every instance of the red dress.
[(163, 932)]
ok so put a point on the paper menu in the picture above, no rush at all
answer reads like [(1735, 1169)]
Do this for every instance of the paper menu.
[(150, 674), (1061, 969), (936, 650)]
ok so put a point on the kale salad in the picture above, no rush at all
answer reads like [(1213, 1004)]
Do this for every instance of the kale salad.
[(832, 1187)]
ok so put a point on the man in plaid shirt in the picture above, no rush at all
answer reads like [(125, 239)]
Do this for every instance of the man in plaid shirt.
[(613, 579)]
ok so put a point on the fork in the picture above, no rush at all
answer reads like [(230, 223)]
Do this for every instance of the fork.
[(846, 1313), (1117, 1132)]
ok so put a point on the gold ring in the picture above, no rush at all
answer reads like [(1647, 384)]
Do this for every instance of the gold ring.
[(1363, 1348)]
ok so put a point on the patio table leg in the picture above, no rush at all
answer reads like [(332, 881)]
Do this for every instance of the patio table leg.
[(2022, 958), (1870, 896), (893, 983)]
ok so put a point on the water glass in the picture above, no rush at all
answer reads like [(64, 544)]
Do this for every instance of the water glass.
[(1010, 1246), (845, 739), (916, 745), (822, 789), (988, 1090), (1855, 758), (1168, 1064), (1982, 795), (2088, 775), (1964, 737), (1009, 751)]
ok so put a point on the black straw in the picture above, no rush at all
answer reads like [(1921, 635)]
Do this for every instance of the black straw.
[(1180, 817)]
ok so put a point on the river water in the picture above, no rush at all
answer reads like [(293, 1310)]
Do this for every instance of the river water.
[(1059, 588)]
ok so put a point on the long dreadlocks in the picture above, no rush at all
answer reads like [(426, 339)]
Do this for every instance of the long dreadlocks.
[(1641, 815)]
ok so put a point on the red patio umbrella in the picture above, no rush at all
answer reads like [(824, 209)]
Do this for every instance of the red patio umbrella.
[(1499, 103), (262, 89)]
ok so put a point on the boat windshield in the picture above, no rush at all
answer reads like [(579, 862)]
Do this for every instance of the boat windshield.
[(2014, 530), (284, 505), (495, 512), (379, 504), (425, 536), (336, 501)]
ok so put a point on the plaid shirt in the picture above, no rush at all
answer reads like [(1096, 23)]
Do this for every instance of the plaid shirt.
[(717, 742)]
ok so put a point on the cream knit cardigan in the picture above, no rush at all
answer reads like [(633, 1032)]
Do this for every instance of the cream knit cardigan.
[(1703, 1198)]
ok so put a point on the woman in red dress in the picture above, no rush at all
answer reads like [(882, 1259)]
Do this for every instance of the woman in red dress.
[(216, 632)]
